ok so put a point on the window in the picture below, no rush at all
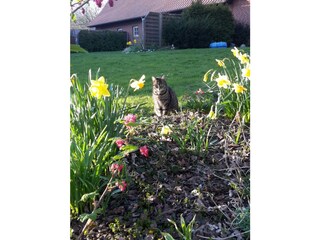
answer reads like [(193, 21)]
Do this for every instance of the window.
[(135, 31)]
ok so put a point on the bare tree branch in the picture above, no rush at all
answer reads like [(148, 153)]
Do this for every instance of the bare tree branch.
[(80, 6)]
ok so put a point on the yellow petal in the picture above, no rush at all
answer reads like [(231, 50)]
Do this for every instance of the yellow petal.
[(101, 79), (165, 130), (140, 84), (211, 114)]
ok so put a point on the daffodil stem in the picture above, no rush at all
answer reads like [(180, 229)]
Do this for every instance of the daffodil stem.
[(125, 99), (89, 221), (217, 102)]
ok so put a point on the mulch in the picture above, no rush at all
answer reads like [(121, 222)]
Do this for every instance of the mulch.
[(170, 183)]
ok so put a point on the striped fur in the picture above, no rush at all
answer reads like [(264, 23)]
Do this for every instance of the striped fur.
[(164, 98)]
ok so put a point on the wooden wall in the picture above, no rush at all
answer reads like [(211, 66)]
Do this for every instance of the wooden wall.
[(152, 26)]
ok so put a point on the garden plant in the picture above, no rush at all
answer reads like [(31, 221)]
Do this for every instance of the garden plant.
[(183, 176)]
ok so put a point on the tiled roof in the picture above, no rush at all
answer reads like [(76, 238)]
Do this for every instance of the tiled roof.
[(131, 9)]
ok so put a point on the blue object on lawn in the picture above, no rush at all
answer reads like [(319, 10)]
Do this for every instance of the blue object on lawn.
[(218, 45)]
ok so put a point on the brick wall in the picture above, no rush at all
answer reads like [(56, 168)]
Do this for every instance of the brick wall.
[(126, 26)]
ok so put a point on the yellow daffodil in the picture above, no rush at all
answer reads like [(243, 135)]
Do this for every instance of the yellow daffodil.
[(223, 81), (135, 40), (129, 43), (211, 114), (73, 79), (99, 88), (246, 72), (235, 52), (239, 88), (136, 85), (220, 63), (165, 130), (244, 58)]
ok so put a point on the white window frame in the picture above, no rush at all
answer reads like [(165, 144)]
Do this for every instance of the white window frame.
[(135, 31)]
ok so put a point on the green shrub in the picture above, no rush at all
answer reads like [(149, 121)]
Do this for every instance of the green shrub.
[(96, 41), (199, 26), (241, 34)]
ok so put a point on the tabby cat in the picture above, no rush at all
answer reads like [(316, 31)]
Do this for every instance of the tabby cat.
[(164, 98)]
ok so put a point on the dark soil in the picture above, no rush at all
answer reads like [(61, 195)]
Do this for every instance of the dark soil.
[(214, 185)]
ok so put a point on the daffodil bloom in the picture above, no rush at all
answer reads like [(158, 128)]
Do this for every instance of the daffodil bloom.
[(99, 88), (246, 72), (223, 81), (206, 76), (239, 88), (235, 52), (136, 85), (129, 43), (220, 63), (73, 79), (211, 114), (244, 58), (135, 40), (165, 130)]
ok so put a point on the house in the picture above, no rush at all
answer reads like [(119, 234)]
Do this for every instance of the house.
[(143, 19)]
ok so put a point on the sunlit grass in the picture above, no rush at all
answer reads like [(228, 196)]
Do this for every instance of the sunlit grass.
[(183, 69)]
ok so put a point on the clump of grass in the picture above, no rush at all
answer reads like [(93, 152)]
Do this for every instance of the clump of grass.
[(74, 48)]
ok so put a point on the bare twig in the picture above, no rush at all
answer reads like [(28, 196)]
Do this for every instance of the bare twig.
[(232, 235), (80, 6), (220, 209)]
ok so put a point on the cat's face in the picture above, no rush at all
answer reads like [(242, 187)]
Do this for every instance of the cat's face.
[(159, 85)]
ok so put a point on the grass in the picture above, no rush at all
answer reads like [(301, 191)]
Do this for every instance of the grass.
[(184, 69), (74, 48)]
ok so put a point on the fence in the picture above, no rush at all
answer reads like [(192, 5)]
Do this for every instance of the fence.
[(152, 28)]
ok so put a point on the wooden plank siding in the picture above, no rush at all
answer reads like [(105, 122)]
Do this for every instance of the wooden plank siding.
[(153, 28)]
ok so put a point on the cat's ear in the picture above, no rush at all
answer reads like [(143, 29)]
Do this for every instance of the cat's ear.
[(153, 79), (163, 77)]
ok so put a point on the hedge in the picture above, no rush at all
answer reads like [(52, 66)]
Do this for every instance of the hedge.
[(199, 26), (102, 40), (241, 35)]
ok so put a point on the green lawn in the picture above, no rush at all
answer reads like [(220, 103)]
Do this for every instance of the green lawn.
[(184, 69)]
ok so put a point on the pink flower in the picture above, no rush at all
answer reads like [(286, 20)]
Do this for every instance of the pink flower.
[(130, 118), (122, 186), (200, 91), (144, 151), (99, 3), (115, 168), (120, 143)]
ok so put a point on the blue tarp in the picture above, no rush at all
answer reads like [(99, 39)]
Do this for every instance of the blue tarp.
[(218, 45)]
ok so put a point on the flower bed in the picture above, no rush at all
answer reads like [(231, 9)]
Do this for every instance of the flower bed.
[(134, 177)]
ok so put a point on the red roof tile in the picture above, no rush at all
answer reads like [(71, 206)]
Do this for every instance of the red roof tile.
[(131, 9)]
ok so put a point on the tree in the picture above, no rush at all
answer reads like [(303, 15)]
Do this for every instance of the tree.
[(83, 18), (77, 5)]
